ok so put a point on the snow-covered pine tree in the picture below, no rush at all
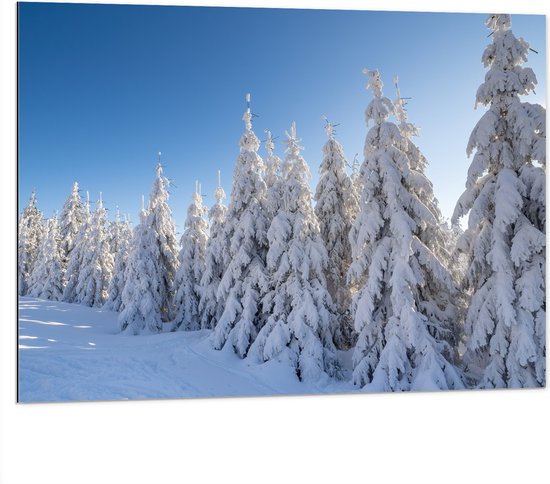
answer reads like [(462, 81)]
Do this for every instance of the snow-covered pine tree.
[(355, 176), (191, 266), (142, 296), (399, 344), (72, 217), (436, 301), (505, 240), (96, 269), (458, 265), (121, 239), (30, 234), (298, 328), (74, 264), (215, 262), (273, 180), (114, 232), (336, 209), (164, 232), (245, 280), (46, 280)]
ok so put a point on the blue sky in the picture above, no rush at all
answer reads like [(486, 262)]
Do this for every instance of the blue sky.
[(103, 88)]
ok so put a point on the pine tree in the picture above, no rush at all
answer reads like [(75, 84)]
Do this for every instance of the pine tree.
[(245, 280), (30, 234), (355, 177), (191, 266), (273, 180), (437, 302), (505, 240), (143, 295), (336, 209), (121, 237), (75, 261), (114, 230), (458, 265), (299, 322), (147, 297), (72, 217), (400, 344), (215, 263), (97, 262), (164, 233), (46, 280)]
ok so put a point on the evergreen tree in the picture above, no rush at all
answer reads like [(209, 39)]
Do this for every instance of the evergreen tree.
[(273, 180), (46, 280), (245, 280), (191, 266), (336, 209), (215, 263), (437, 302), (400, 344), (147, 297), (72, 217), (30, 234), (143, 295), (121, 239), (164, 233), (505, 240), (300, 308), (458, 265), (114, 231), (97, 262), (76, 257), (356, 178)]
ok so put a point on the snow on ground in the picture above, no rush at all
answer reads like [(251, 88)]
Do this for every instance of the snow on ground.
[(72, 352)]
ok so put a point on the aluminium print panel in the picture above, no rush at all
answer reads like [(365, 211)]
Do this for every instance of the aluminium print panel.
[(235, 202)]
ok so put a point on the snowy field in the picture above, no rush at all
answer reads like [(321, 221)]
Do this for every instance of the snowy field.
[(72, 352)]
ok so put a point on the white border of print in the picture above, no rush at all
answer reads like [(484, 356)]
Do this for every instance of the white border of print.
[(464, 437)]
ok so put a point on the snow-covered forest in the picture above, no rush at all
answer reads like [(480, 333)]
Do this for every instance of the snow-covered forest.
[(360, 281)]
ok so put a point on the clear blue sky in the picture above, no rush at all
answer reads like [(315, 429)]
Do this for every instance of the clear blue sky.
[(103, 88)]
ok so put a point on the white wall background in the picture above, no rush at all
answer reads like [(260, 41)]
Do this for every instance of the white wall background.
[(469, 437)]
